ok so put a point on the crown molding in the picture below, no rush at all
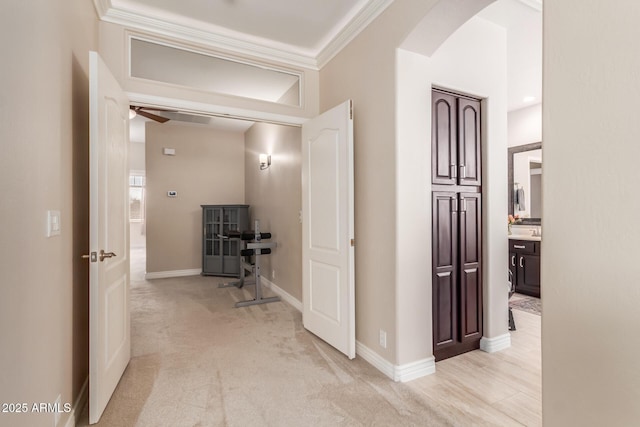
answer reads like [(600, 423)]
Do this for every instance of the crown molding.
[(102, 6), (359, 22), (275, 52), (221, 38)]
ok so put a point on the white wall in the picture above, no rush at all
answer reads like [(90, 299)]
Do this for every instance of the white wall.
[(525, 125), (472, 60), (590, 268)]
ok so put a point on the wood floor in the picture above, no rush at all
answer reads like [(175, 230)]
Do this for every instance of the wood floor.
[(498, 389)]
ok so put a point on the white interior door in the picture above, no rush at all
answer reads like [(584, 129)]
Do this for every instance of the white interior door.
[(328, 275), (109, 335)]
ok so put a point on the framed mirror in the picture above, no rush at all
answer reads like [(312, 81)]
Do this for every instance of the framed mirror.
[(525, 179)]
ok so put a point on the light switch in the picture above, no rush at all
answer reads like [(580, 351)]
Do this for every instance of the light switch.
[(169, 151), (172, 193), (53, 223)]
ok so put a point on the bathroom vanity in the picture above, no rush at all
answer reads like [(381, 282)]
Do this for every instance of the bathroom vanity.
[(524, 263)]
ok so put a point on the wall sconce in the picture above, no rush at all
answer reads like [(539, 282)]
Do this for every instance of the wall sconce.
[(265, 161)]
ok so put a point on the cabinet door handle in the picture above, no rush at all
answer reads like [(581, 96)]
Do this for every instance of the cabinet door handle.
[(463, 204), (463, 171), (454, 171), (519, 246), (513, 260), (522, 262)]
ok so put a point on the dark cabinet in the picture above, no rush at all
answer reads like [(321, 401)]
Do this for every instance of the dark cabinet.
[(524, 264), (456, 169), (221, 256), (457, 273), (455, 138)]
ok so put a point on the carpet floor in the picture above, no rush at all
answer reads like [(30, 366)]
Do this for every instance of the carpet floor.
[(198, 361)]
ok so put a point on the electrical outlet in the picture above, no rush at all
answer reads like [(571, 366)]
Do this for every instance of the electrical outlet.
[(383, 339), (273, 274), (56, 414)]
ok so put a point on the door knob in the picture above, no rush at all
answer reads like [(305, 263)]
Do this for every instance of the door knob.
[(93, 257), (104, 255)]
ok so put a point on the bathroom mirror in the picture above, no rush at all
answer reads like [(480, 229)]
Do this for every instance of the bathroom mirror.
[(525, 179)]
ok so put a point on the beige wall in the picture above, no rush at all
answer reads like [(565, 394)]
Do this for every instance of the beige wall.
[(365, 71), (44, 116), (208, 168), (275, 198), (590, 269)]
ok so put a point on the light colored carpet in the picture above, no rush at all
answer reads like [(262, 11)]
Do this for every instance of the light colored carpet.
[(198, 361)]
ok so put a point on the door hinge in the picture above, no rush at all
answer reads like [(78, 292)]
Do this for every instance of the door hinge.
[(350, 110), (353, 242)]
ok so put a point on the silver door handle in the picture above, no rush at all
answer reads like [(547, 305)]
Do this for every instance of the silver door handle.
[(93, 257), (519, 246), (513, 260), (522, 262), (463, 171), (454, 170), (104, 255)]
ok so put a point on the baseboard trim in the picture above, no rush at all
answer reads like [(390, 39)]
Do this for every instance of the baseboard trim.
[(174, 273), (399, 373), (411, 371), (286, 296), (491, 345), (78, 405), (375, 360)]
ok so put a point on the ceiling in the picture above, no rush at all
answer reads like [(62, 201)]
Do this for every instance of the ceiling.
[(308, 33)]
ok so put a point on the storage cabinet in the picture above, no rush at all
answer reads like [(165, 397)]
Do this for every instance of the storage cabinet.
[(524, 264), (221, 256), (456, 140), (457, 273), (457, 223)]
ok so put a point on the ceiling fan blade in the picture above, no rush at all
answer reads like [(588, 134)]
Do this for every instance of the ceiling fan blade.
[(148, 115)]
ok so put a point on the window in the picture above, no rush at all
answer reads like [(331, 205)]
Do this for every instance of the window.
[(136, 198)]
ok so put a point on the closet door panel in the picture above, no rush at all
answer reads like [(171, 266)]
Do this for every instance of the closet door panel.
[(443, 139), (445, 270), (470, 267), (469, 142)]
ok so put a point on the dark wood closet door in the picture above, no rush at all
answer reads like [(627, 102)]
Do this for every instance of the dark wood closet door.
[(445, 271), (469, 137), (444, 163), (470, 267)]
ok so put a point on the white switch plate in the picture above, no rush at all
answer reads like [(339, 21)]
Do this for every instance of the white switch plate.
[(383, 339), (53, 223)]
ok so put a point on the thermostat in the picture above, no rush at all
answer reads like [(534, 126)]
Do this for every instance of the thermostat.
[(172, 193)]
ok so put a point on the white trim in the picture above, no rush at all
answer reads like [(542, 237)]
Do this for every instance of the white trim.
[(174, 273), (411, 371), (78, 405), (491, 345), (286, 296), (183, 106), (377, 361), (223, 38), (401, 373), (339, 41), (237, 42)]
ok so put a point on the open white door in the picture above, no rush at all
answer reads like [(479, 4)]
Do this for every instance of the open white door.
[(328, 272), (109, 335)]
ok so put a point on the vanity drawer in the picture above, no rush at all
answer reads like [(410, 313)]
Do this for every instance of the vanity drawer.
[(524, 246)]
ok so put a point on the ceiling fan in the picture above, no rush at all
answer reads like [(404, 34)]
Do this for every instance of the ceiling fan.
[(144, 113)]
